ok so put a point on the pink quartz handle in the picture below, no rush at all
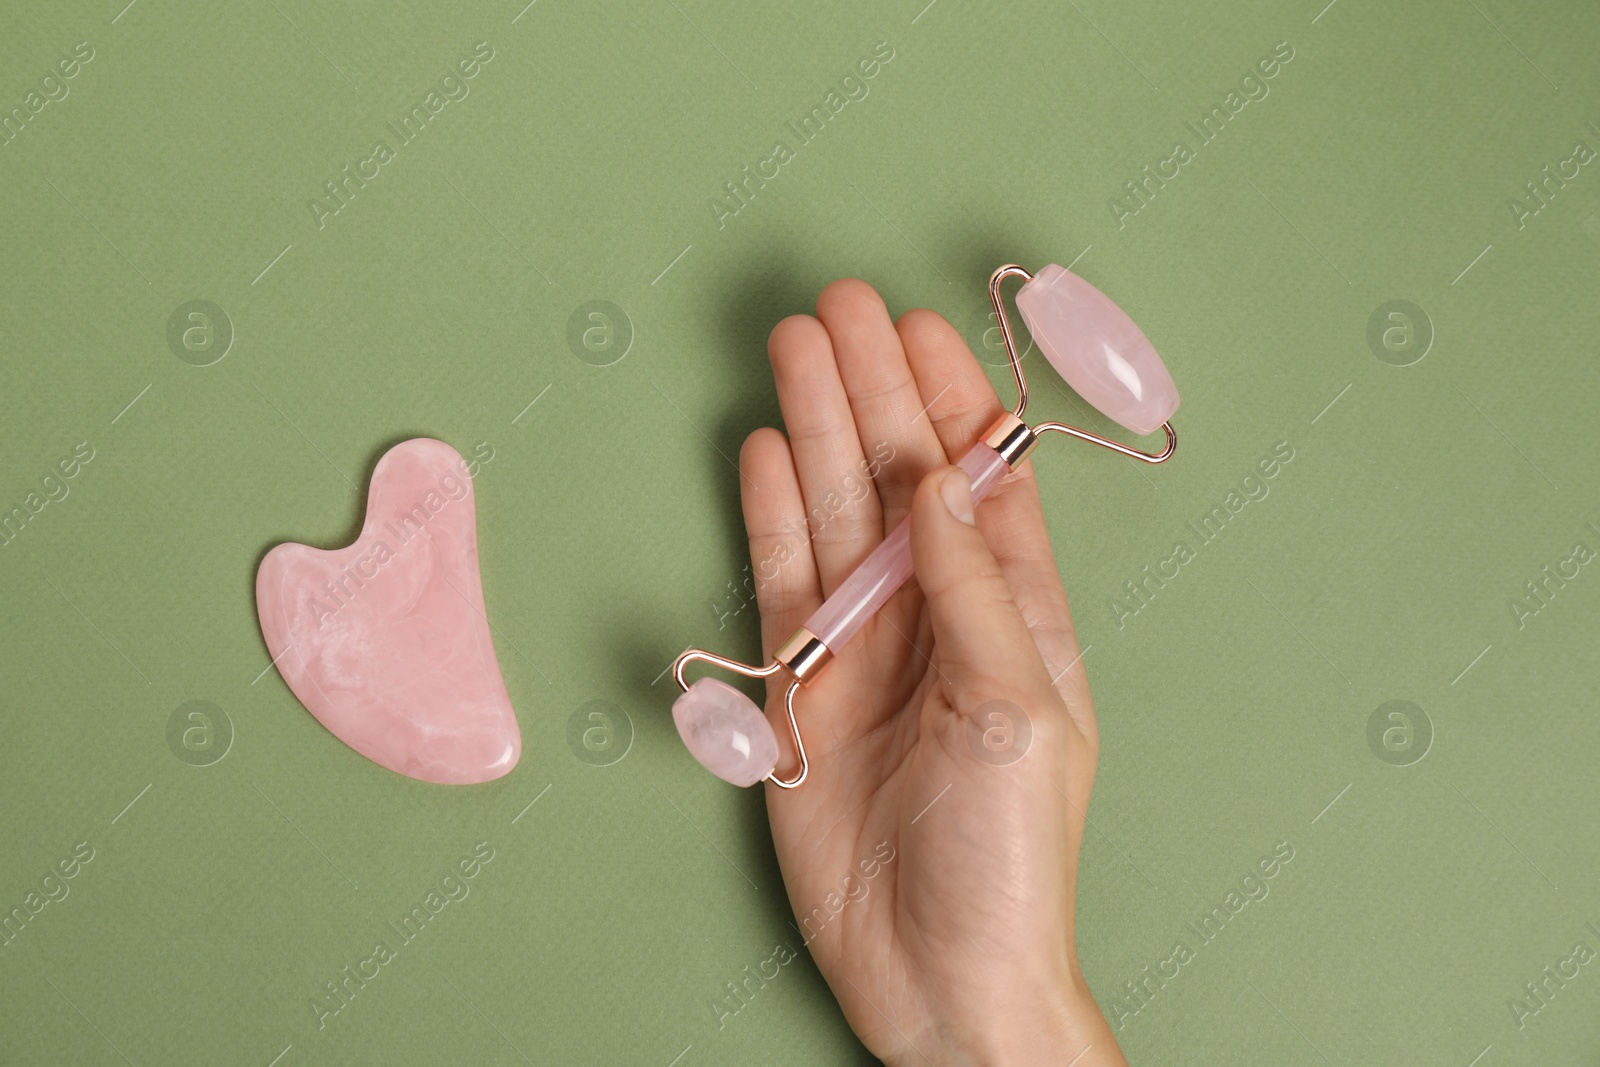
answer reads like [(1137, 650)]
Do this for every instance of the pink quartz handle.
[(882, 573)]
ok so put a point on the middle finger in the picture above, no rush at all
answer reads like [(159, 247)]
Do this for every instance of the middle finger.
[(892, 423)]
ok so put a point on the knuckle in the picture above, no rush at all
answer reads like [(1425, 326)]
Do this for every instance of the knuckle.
[(982, 584)]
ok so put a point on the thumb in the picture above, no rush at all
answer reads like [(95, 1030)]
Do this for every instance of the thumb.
[(983, 641)]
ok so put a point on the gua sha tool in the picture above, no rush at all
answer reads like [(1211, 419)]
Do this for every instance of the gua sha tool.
[(1099, 351), (386, 641)]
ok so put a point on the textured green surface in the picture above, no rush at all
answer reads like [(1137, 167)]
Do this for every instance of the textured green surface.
[(1380, 565)]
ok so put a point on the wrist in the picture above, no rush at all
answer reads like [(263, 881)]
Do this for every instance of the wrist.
[(1052, 1024), (1065, 1028)]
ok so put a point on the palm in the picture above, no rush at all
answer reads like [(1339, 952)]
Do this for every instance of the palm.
[(893, 767)]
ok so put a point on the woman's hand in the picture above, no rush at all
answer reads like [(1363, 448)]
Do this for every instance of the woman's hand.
[(954, 734)]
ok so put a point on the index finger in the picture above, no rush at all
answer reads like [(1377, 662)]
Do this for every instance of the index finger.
[(962, 405)]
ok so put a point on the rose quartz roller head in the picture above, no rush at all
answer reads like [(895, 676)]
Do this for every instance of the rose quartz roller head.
[(1099, 351)]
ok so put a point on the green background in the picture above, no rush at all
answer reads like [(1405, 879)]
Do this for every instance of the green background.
[(1234, 705)]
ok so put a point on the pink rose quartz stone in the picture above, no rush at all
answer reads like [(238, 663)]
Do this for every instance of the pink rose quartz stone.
[(386, 641), (1098, 349), (726, 732)]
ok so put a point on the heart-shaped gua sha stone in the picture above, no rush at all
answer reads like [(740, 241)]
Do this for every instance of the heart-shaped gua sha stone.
[(386, 641)]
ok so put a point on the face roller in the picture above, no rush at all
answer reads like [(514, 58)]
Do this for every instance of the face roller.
[(1099, 351)]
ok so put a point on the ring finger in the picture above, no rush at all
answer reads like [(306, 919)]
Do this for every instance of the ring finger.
[(843, 517)]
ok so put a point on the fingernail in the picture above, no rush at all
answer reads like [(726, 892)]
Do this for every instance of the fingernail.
[(956, 492)]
